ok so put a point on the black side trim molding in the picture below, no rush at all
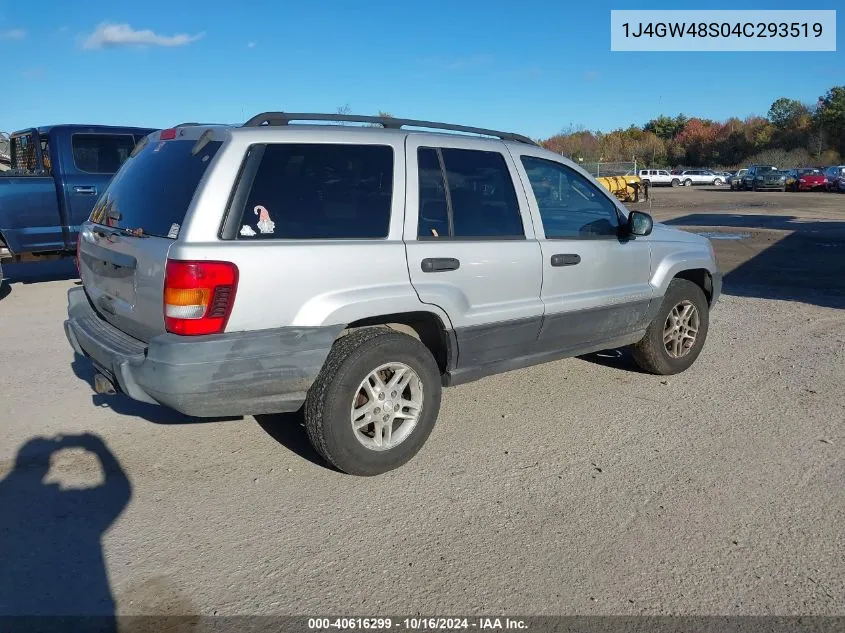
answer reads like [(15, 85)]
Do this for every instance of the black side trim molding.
[(469, 374)]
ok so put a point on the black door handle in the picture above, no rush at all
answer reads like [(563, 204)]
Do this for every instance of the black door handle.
[(566, 259), (439, 264)]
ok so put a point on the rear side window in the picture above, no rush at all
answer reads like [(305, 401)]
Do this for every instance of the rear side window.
[(154, 188), (101, 153), (320, 191), (466, 194)]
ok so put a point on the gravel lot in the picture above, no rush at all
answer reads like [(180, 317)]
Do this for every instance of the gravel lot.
[(580, 486)]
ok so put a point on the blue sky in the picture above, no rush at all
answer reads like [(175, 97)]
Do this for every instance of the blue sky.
[(533, 67)]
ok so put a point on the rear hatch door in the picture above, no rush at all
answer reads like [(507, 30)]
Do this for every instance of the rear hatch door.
[(124, 245)]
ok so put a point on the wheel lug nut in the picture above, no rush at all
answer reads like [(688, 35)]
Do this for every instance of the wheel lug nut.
[(377, 410), (386, 418), (381, 396), (393, 394), (396, 407)]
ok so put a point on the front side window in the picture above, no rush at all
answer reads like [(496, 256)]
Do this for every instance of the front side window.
[(320, 191), (571, 207), (101, 153), (466, 194)]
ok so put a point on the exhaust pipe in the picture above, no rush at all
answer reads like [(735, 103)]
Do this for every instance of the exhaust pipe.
[(103, 385)]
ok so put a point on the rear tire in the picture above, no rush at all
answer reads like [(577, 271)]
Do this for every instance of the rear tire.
[(718, 182), (675, 182), (666, 347), (339, 391)]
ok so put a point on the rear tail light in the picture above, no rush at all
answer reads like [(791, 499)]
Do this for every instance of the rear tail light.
[(198, 296)]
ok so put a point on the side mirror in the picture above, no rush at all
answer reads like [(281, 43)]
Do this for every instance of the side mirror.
[(639, 223)]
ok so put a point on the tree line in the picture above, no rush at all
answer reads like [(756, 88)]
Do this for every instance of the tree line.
[(792, 134)]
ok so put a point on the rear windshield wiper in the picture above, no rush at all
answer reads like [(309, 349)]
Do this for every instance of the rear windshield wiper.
[(114, 230)]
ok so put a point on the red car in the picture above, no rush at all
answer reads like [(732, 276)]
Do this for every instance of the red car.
[(805, 179)]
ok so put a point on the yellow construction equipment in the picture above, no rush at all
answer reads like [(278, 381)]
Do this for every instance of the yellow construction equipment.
[(626, 188)]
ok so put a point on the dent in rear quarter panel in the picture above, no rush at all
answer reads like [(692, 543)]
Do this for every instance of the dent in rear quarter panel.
[(313, 283)]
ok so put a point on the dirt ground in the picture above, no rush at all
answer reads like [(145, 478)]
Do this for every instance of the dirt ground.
[(783, 244), (576, 487)]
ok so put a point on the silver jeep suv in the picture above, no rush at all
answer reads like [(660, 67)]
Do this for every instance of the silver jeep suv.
[(354, 271)]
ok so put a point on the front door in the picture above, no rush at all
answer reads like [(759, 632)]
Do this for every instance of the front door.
[(595, 283), (471, 246)]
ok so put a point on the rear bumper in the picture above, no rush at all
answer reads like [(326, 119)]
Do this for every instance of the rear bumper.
[(241, 373)]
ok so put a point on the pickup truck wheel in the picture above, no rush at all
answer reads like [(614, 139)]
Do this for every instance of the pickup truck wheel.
[(374, 403), (675, 182), (688, 183), (675, 337)]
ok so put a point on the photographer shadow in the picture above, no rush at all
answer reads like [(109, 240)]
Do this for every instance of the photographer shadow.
[(51, 556)]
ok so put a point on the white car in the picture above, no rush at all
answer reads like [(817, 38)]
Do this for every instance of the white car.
[(659, 177), (700, 177)]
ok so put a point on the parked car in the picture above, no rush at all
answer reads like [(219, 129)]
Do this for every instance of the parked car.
[(691, 177), (263, 268), (735, 181), (759, 177), (805, 179), (657, 177), (57, 173), (835, 174)]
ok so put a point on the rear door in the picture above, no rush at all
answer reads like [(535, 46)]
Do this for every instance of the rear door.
[(595, 283), (90, 161), (124, 246), (471, 247)]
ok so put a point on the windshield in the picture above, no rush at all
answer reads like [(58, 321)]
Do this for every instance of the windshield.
[(154, 188), (811, 172)]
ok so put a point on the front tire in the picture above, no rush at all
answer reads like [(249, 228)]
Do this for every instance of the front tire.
[(374, 403), (675, 337), (718, 182), (688, 183)]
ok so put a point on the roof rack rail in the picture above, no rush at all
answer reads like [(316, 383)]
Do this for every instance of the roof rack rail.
[(284, 118)]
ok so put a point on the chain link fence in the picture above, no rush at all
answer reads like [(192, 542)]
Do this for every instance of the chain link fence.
[(628, 168)]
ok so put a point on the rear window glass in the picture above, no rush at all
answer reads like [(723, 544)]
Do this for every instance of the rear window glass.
[(320, 191), (154, 188), (101, 153), (24, 157)]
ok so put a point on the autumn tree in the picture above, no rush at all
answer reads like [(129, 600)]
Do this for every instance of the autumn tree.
[(831, 117)]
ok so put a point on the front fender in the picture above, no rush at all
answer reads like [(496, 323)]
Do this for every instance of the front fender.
[(678, 262)]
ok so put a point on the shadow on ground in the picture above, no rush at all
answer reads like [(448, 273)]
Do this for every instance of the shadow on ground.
[(778, 257), (35, 272), (51, 557), (288, 429)]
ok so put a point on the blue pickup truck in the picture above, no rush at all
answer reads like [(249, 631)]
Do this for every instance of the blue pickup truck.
[(57, 173)]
